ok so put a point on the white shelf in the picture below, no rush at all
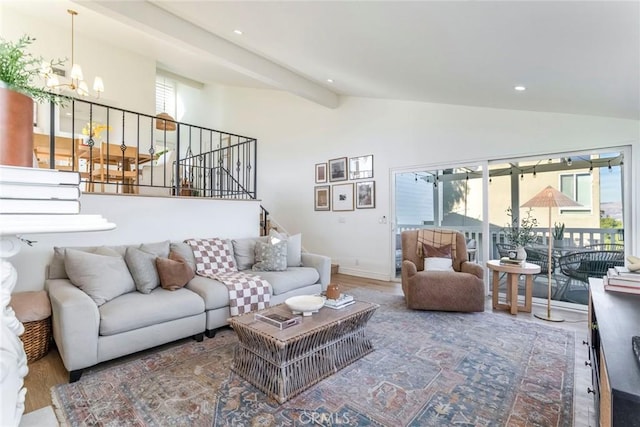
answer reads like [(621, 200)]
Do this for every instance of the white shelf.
[(21, 224)]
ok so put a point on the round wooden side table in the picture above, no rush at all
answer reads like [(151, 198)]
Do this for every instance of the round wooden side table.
[(513, 273)]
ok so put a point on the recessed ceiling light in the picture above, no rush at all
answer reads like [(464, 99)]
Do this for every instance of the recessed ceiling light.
[(520, 88), (330, 80), (238, 32)]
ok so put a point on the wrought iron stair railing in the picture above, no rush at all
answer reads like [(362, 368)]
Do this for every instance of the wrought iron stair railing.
[(210, 162), (227, 172)]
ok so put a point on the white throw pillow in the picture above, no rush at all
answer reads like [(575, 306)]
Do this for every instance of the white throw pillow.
[(294, 246), (438, 264)]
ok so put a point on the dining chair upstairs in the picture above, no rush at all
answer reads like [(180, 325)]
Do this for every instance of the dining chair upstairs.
[(113, 165)]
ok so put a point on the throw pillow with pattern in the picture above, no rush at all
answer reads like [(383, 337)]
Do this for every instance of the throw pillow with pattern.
[(273, 257)]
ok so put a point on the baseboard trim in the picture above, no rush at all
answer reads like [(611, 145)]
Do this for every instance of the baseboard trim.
[(364, 273)]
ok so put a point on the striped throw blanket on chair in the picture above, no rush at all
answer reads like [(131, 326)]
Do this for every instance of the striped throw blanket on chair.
[(436, 238)]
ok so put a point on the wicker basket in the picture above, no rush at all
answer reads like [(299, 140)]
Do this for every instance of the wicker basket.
[(36, 338)]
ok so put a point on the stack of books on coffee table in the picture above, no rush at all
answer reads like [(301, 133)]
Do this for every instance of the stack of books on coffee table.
[(620, 279), (339, 303)]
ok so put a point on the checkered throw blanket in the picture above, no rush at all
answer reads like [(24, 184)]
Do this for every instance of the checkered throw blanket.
[(247, 292), (436, 238), (214, 259)]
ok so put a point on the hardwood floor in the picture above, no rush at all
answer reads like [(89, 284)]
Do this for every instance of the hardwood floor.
[(44, 374), (49, 371)]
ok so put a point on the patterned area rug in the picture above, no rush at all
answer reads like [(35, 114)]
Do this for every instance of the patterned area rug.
[(428, 369)]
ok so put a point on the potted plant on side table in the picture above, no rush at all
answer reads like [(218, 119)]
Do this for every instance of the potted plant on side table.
[(19, 73), (521, 233)]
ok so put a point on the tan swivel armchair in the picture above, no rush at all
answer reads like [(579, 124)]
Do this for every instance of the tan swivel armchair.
[(459, 290)]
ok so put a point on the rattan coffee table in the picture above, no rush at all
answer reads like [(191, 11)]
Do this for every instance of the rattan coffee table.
[(283, 363)]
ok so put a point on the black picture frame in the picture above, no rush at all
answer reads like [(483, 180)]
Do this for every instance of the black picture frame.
[(338, 169)]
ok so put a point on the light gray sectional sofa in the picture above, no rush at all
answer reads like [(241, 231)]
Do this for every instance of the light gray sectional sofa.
[(115, 318)]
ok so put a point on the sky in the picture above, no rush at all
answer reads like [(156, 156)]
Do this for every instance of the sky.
[(610, 184)]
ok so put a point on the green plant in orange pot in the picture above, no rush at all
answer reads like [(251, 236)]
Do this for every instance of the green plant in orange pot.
[(20, 85)]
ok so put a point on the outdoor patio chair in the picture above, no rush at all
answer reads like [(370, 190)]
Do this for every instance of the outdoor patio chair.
[(472, 249), (541, 257), (579, 266), (504, 248)]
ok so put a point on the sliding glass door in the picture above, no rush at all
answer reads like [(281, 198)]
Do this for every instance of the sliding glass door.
[(444, 198), (453, 197)]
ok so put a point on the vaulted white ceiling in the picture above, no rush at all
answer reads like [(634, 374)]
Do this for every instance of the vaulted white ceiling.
[(579, 57)]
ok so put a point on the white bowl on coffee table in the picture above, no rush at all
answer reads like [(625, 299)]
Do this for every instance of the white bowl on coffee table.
[(305, 304)]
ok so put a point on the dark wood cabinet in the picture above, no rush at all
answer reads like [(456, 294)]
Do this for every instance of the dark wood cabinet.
[(614, 318)]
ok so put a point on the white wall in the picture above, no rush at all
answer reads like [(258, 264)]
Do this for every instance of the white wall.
[(294, 134), (129, 78), (140, 219)]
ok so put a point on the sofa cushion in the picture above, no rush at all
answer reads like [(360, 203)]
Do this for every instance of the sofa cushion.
[(136, 310), (273, 256), (213, 255), (292, 278), (56, 267), (143, 269), (185, 252), (174, 271), (294, 247), (214, 294), (102, 277), (244, 251), (160, 249)]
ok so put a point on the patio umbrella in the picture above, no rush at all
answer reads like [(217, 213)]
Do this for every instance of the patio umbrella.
[(549, 198)]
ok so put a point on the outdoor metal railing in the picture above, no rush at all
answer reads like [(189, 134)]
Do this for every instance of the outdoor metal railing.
[(574, 237)]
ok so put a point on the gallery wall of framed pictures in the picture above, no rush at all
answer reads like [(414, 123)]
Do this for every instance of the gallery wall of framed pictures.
[(345, 196)]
